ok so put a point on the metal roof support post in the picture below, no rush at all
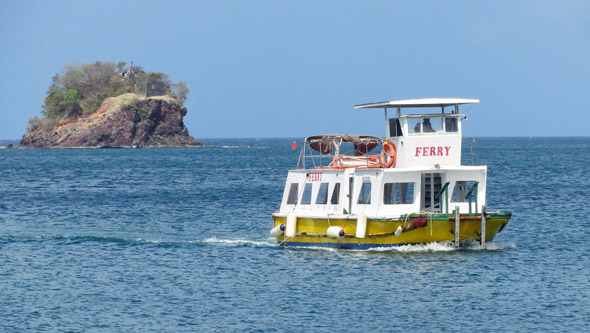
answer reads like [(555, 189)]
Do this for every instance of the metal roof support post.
[(386, 124), (321, 154), (457, 225), (301, 155), (304, 144)]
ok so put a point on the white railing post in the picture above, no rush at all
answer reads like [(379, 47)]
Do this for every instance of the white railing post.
[(457, 225), (482, 241)]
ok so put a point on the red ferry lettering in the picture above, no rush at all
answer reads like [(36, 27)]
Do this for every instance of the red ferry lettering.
[(432, 151), (315, 176)]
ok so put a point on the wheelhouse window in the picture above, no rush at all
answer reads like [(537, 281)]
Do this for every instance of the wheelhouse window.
[(322, 197), (398, 193), (460, 190), (431, 125), (335, 194), (293, 190), (365, 193), (451, 125), (306, 197), (395, 129), (415, 125)]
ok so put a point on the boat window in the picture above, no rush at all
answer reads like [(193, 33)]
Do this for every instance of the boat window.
[(365, 194), (425, 125), (306, 197), (292, 198), (460, 191), (415, 125), (398, 193), (335, 194), (451, 124), (395, 129), (322, 197), (431, 125)]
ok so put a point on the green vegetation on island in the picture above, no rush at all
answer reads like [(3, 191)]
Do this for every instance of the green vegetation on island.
[(81, 89)]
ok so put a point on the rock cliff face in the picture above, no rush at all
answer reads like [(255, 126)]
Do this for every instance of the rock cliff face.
[(126, 121)]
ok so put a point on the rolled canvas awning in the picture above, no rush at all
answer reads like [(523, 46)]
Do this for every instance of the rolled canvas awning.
[(325, 143)]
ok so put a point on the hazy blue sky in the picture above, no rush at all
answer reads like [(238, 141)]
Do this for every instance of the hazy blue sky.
[(296, 68)]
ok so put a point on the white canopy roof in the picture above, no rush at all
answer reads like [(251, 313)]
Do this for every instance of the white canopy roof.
[(419, 103)]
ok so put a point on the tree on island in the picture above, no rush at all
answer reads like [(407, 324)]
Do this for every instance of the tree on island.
[(81, 89)]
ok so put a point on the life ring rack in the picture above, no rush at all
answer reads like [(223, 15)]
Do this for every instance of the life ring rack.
[(388, 154)]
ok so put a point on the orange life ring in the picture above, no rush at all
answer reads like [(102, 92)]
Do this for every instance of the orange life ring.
[(388, 154)]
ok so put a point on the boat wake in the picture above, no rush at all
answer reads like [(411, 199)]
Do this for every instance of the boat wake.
[(418, 248), (269, 242), (135, 241), (240, 242), (444, 247)]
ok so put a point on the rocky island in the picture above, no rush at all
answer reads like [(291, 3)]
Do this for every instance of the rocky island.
[(94, 106)]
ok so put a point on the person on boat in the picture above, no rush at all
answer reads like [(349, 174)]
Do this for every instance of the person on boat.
[(417, 128), (427, 126)]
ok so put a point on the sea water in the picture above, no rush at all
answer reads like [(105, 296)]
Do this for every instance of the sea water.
[(178, 240)]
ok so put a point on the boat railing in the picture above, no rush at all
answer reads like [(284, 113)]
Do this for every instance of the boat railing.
[(307, 157), (468, 196), (340, 156), (337, 161), (445, 190)]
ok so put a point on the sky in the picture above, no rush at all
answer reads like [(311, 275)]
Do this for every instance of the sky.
[(265, 69)]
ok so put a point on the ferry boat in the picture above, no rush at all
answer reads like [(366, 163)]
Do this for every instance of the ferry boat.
[(413, 191)]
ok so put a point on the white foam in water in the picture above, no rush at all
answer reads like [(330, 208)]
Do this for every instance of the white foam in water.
[(417, 248), (490, 246), (149, 241), (430, 247), (238, 242), (444, 247)]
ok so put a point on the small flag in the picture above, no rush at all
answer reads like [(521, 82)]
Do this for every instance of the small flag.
[(294, 146)]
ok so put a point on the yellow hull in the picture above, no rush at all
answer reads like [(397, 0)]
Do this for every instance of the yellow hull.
[(382, 232)]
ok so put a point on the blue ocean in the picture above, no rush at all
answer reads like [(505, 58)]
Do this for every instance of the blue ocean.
[(132, 240)]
